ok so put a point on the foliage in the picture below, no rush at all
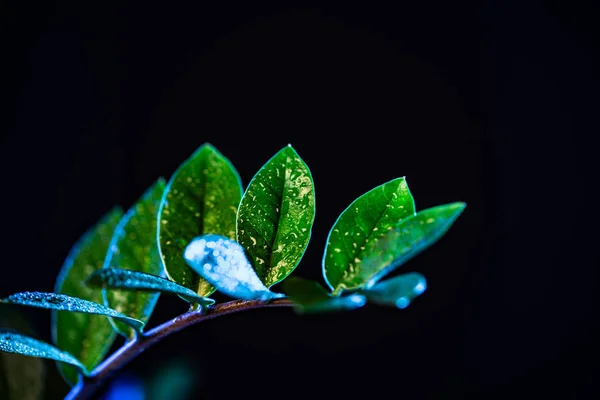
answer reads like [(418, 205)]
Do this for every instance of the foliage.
[(201, 232)]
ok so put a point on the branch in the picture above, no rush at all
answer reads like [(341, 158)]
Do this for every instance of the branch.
[(87, 386)]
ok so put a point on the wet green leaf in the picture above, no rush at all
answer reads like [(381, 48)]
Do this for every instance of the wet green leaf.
[(134, 246), (403, 242), (127, 280), (276, 215), (88, 337), (62, 302), (358, 226), (398, 291), (223, 263), (202, 197), (17, 343), (310, 297), (21, 377)]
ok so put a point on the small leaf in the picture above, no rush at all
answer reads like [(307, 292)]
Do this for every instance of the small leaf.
[(201, 197), (17, 343), (61, 302), (398, 291), (88, 337), (276, 215), (116, 278), (403, 242), (21, 377), (310, 297), (358, 226), (223, 263), (134, 246)]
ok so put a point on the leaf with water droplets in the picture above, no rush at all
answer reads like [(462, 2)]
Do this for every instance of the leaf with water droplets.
[(87, 336), (201, 197), (276, 215), (124, 279), (398, 291), (310, 297), (223, 263), (21, 377), (62, 302), (360, 225), (403, 242), (17, 343), (134, 246)]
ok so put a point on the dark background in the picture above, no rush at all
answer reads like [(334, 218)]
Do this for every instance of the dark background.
[(492, 103)]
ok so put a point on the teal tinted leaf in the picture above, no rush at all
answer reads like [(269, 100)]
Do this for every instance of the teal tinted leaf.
[(202, 197), (17, 343), (116, 278), (223, 263), (310, 297), (276, 215), (403, 242), (398, 291), (134, 246), (87, 336), (21, 377), (358, 226), (61, 302)]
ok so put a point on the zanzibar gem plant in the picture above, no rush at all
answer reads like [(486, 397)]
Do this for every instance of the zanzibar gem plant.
[(201, 232)]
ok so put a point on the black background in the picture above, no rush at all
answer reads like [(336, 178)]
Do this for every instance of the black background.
[(492, 103)]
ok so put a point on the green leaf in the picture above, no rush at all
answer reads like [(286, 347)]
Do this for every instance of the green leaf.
[(403, 242), (223, 263), (17, 343), (310, 297), (358, 227), (134, 246), (88, 337), (116, 278), (201, 197), (276, 215), (398, 291), (62, 302), (21, 377)]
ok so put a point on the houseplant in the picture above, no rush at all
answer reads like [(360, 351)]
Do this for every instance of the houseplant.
[(202, 232)]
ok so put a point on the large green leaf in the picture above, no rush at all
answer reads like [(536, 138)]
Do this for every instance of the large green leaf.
[(310, 297), (17, 343), (360, 225), (276, 215), (88, 337), (21, 377), (401, 243), (201, 197), (398, 291), (222, 262), (124, 279), (62, 302), (134, 246)]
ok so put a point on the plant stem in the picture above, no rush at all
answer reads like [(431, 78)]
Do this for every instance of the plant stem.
[(87, 386)]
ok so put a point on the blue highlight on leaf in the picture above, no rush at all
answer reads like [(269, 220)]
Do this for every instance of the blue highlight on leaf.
[(223, 263)]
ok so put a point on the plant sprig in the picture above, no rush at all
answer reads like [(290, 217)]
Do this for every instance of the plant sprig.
[(201, 232)]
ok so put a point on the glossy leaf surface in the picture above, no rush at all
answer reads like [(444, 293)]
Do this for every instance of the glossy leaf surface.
[(134, 246), (400, 244), (276, 215), (87, 336), (116, 278), (202, 197), (62, 302), (223, 263), (310, 297), (17, 343), (398, 291), (21, 377), (359, 226)]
